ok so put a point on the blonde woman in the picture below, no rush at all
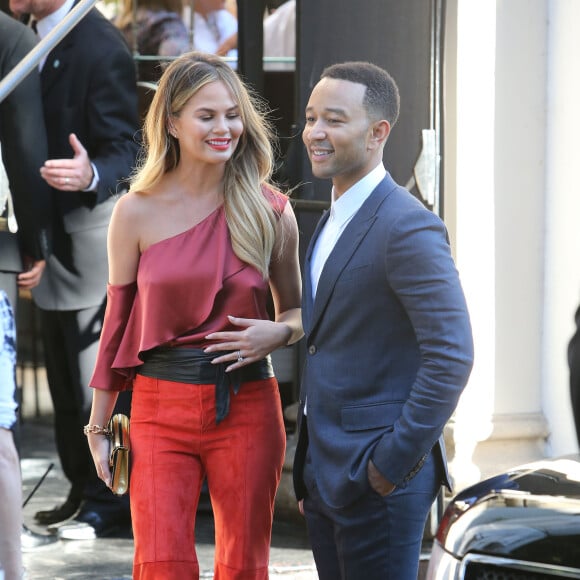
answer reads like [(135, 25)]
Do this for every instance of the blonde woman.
[(194, 248)]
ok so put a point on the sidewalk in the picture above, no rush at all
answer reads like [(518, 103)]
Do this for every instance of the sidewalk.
[(111, 558)]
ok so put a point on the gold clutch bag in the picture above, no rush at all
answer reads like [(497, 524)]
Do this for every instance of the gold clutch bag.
[(119, 453)]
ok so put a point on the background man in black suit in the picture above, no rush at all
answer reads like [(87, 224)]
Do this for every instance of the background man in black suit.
[(90, 106), (24, 150)]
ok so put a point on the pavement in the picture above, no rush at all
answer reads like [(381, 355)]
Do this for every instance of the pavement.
[(111, 558)]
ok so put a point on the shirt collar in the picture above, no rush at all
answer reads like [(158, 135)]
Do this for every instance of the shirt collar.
[(46, 24), (343, 208)]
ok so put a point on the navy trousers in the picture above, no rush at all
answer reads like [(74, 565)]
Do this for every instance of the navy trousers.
[(374, 538)]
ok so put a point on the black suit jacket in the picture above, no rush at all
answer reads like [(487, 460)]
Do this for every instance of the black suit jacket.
[(88, 88), (23, 140)]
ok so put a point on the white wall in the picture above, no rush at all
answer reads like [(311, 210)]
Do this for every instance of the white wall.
[(512, 201), (562, 209)]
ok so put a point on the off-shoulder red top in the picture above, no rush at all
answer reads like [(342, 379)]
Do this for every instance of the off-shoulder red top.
[(186, 286)]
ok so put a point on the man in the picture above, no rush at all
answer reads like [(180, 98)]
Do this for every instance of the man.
[(574, 366), (24, 150), (388, 339), (90, 107)]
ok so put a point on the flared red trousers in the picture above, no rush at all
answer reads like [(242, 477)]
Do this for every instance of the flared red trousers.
[(175, 443)]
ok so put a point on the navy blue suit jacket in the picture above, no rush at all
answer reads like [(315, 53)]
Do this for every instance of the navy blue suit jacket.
[(389, 348)]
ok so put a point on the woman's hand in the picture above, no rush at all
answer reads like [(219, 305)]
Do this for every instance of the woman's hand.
[(255, 340), (99, 445)]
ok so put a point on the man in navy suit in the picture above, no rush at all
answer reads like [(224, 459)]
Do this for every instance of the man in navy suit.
[(388, 339), (89, 96)]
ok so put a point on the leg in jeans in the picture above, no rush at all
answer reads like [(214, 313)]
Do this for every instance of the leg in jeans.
[(10, 484)]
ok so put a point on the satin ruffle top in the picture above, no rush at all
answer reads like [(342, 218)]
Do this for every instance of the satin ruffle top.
[(186, 287)]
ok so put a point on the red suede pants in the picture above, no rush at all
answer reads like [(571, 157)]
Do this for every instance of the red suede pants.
[(174, 444)]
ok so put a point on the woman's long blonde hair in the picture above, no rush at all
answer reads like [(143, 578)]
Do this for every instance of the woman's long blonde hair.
[(251, 219)]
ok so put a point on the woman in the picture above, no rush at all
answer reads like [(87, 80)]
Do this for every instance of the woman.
[(153, 28), (193, 248)]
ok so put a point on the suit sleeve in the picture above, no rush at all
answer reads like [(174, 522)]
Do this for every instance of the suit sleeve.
[(24, 151), (112, 119), (423, 276)]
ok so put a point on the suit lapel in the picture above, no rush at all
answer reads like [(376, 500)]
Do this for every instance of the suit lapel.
[(346, 246), (55, 65), (307, 301)]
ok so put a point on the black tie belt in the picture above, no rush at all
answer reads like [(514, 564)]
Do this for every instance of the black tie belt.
[(193, 366)]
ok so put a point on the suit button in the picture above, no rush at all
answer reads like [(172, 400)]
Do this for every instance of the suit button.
[(311, 349)]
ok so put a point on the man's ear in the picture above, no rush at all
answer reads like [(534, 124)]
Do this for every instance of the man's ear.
[(380, 131)]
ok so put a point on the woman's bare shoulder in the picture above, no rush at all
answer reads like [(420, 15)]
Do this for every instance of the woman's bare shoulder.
[(135, 205)]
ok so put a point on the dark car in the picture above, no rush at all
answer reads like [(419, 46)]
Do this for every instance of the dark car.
[(521, 525)]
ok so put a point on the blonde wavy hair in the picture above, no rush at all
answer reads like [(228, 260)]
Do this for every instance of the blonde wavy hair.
[(251, 219)]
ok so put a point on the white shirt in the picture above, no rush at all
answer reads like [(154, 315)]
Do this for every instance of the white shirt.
[(342, 210), (210, 32), (46, 24)]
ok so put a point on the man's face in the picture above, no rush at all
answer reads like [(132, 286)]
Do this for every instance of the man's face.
[(38, 8), (337, 133)]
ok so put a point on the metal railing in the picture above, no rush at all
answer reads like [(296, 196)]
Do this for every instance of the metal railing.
[(33, 58)]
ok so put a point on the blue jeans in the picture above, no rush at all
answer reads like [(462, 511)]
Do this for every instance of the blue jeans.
[(7, 363)]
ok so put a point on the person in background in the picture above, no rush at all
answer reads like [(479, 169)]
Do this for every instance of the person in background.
[(574, 366), (389, 346), (215, 29), (10, 485), (280, 35), (158, 30), (22, 124), (194, 249), (90, 108), (23, 150)]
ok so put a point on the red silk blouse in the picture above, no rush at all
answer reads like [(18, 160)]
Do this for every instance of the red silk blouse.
[(186, 286)]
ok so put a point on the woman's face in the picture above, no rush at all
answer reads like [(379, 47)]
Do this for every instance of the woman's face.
[(209, 127)]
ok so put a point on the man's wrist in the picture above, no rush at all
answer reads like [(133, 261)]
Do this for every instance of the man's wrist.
[(94, 182)]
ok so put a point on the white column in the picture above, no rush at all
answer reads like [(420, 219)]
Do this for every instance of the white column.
[(511, 252), (562, 210), (469, 204)]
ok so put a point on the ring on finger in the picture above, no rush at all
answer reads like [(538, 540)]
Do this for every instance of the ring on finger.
[(240, 357), (67, 180)]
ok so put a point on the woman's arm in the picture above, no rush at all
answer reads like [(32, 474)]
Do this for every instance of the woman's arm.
[(123, 254), (258, 338), (285, 279), (101, 410)]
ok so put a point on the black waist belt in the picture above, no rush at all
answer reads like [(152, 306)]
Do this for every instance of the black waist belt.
[(193, 366)]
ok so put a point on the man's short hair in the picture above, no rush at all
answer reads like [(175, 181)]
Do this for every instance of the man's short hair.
[(381, 98)]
